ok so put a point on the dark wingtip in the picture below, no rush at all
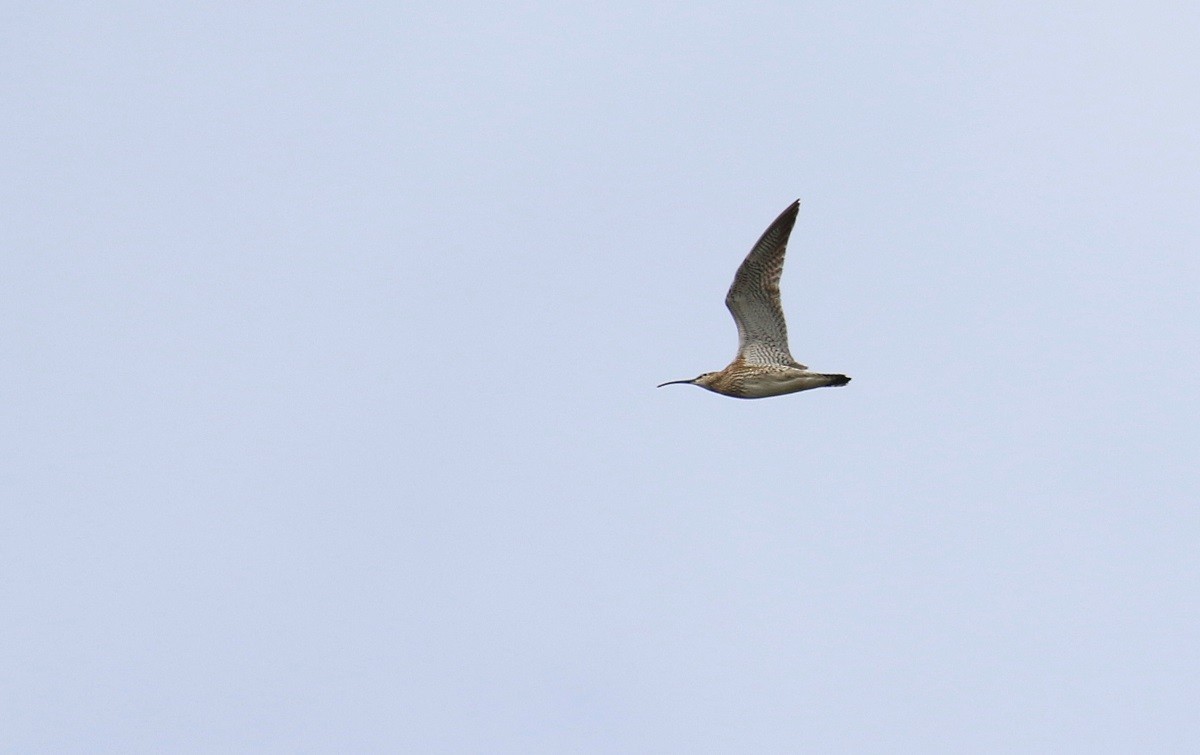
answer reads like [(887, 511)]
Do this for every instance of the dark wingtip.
[(786, 218)]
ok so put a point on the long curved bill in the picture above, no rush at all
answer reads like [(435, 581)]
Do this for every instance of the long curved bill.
[(677, 382)]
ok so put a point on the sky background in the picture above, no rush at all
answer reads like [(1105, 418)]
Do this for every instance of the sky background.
[(330, 336)]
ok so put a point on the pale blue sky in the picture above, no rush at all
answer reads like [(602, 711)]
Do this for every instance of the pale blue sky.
[(331, 334)]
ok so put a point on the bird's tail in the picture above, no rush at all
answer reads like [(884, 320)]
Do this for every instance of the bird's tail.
[(837, 380)]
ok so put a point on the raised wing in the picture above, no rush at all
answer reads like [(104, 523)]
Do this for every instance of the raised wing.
[(754, 296)]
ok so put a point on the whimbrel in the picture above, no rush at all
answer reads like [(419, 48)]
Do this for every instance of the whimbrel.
[(763, 365)]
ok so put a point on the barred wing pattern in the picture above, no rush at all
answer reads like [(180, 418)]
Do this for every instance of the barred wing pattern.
[(753, 299)]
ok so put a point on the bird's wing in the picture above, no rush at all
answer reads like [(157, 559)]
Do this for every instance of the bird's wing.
[(753, 298)]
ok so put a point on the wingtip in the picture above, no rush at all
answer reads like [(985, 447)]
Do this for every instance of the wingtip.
[(787, 216)]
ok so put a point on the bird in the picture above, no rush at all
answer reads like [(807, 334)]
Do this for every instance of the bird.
[(763, 366)]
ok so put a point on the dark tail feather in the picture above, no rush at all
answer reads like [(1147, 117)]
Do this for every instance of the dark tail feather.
[(837, 380)]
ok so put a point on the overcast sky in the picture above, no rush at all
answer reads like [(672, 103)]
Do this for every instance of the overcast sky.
[(330, 337)]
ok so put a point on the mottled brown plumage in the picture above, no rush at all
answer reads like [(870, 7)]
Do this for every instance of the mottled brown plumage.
[(763, 366)]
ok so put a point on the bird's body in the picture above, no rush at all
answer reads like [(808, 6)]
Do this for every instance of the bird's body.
[(742, 380), (763, 365)]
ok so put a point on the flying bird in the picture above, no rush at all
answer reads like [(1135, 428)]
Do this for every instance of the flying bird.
[(763, 365)]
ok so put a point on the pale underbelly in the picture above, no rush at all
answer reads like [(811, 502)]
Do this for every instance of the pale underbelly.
[(762, 386)]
